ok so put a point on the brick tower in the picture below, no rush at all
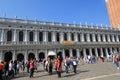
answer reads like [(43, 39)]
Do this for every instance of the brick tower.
[(113, 7)]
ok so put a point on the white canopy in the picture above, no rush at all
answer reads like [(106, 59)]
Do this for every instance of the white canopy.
[(51, 53)]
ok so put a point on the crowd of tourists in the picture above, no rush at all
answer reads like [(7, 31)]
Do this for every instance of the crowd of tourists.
[(12, 68)]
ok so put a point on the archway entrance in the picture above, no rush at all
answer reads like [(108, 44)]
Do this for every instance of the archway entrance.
[(60, 54), (20, 57), (74, 53), (31, 56), (41, 56), (8, 56), (67, 53)]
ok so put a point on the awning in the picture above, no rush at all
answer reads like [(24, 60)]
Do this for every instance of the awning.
[(51, 53)]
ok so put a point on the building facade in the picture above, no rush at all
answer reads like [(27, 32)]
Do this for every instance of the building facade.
[(26, 39), (113, 7)]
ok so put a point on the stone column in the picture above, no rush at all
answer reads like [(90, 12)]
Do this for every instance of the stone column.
[(69, 36), (103, 38), (71, 54), (53, 36), (14, 57), (111, 51), (96, 52), (25, 36), (117, 39), (36, 55), (99, 39), (78, 53), (88, 37), (82, 37), (61, 37), (106, 51), (84, 52), (26, 55), (101, 50), (63, 53), (113, 38), (14, 35), (90, 51), (2, 35), (93, 36), (45, 36), (1, 56), (46, 54), (35, 36), (76, 37), (108, 37)]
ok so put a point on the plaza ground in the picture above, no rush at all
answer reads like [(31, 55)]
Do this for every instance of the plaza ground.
[(97, 71)]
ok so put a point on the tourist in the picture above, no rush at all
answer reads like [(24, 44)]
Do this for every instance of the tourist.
[(50, 65), (11, 69), (115, 59), (31, 68), (1, 70), (59, 67), (74, 64)]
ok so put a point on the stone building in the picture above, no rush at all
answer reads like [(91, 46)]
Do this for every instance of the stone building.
[(25, 39)]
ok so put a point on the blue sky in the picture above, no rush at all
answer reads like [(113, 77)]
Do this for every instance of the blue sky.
[(66, 11)]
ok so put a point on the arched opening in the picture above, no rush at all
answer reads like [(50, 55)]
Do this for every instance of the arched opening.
[(67, 53), (60, 54), (31, 36), (93, 52), (8, 56), (21, 36), (104, 53), (85, 37), (41, 56), (106, 38), (40, 36), (74, 53), (91, 38), (9, 35), (101, 37), (96, 37), (57, 36), (81, 53), (72, 36), (78, 37), (99, 52), (109, 51), (49, 37), (20, 57), (87, 52), (115, 38), (31, 56), (65, 36)]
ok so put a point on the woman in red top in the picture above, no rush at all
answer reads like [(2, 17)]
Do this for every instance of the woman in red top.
[(59, 67), (31, 68)]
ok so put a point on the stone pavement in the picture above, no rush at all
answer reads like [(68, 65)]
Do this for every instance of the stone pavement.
[(97, 71)]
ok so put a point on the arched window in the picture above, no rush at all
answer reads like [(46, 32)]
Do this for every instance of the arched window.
[(9, 35), (78, 37), (31, 36), (57, 36), (72, 36), (21, 36), (49, 36), (65, 36), (40, 36)]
